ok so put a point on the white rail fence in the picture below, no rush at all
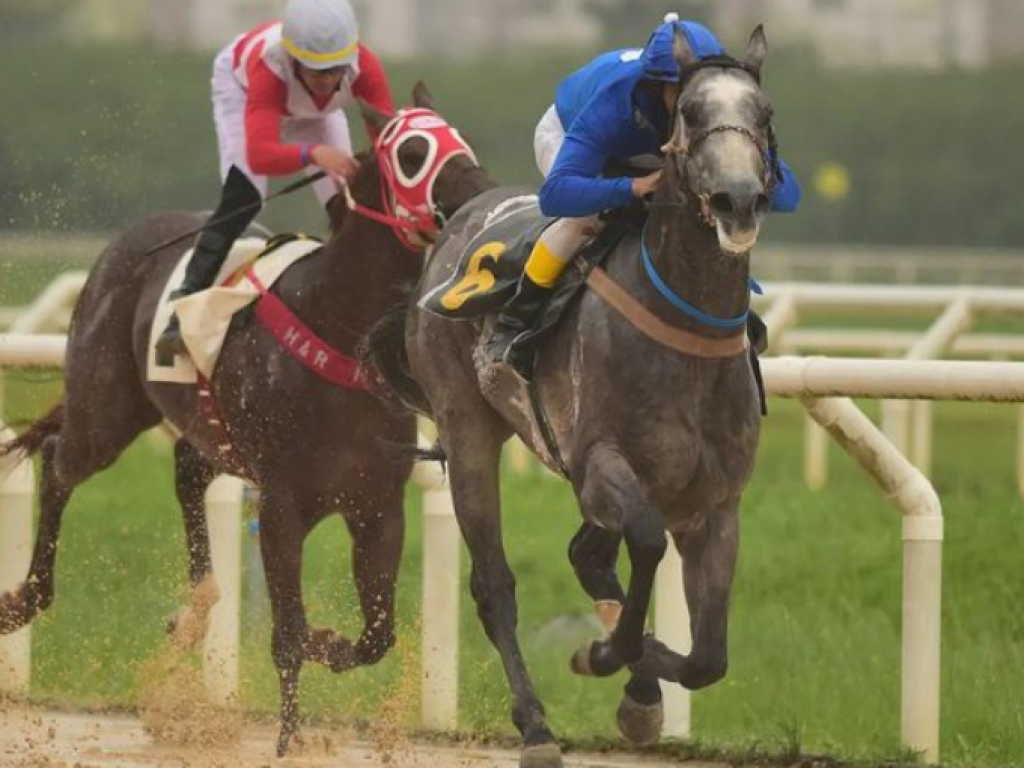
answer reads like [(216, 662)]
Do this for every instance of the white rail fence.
[(955, 309), (954, 312), (835, 263), (890, 265), (823, 385)]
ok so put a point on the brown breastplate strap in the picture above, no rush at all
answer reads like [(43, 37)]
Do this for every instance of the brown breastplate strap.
[(658, 330)]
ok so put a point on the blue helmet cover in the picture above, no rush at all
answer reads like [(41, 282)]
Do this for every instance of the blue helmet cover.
[(659, 62)]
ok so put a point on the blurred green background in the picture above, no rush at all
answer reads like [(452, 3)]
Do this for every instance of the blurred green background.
[(901, 136), (94, 135)]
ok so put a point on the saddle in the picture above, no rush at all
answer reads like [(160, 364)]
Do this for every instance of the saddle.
[(206, 316), (490, 266)]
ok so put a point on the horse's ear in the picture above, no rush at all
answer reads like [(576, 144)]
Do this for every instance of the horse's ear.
[(373, 116), (422, 97), (757, 49), (681, 50)]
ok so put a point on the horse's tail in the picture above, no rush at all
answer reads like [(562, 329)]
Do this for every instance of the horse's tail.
[(385, 350), (31, 440)]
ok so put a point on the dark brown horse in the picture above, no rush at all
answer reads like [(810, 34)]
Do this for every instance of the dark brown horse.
[(314, 448), (657, 419)]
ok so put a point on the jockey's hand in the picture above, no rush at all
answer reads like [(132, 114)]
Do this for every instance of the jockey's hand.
[(338, 164), (645, 185)]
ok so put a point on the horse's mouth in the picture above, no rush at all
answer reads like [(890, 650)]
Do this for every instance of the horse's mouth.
[(733, 238)]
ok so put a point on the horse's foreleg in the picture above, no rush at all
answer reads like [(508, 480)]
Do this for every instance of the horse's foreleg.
[(377, 537), (709, 562), (193, 475), (473, 463), (376, 551), (594, 552), (610, 491), (282, 534), (35, 594)]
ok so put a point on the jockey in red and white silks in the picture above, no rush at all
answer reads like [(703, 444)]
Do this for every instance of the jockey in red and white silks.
[(278, 95), (269, 122)]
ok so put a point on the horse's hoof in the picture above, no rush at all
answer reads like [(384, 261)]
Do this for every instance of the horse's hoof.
[(596, 659), (334, 651), (541, 756), (284, 740), (580, 662), (640, 723), (185, 630), (18, 608)]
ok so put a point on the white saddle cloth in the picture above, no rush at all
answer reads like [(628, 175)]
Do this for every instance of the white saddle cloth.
[(206, 316)]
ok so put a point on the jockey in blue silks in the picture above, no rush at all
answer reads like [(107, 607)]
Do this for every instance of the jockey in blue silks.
[(615, 112)]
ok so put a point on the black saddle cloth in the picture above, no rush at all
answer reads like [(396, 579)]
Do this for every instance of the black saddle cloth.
[(491, 265)]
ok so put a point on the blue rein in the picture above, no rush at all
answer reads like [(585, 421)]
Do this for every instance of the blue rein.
[(686, 307)]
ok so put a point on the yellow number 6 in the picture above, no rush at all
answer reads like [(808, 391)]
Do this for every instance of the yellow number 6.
[(477, 279)]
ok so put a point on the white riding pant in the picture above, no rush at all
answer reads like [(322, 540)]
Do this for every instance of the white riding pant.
[(229, 117), (567, 235)]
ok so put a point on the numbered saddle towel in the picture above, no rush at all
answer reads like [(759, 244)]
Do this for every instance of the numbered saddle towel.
[(206, 316), (489, 268)]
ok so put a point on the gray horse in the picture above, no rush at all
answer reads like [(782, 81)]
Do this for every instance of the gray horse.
[(655, 412)]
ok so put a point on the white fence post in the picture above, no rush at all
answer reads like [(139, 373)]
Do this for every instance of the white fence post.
[(672, 627), (815, 454), (905, 485), (220, 647), (1020, 451), (439, 692), (922, 635), (519, 458), (955, 320), (17, 490), (922, 428)]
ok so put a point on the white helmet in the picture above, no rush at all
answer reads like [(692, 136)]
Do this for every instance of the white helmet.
[(321, 34)]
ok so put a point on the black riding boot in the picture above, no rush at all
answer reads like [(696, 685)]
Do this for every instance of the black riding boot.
[(211, 250), (517, 317)]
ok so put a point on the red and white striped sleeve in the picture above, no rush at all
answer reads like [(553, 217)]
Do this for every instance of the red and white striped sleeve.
[(372, 85), (264, 108)]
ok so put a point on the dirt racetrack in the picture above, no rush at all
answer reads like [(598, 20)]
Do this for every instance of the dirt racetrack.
[(37, 739)]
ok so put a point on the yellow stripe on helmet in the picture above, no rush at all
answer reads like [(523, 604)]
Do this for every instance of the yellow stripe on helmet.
[(319, 58)]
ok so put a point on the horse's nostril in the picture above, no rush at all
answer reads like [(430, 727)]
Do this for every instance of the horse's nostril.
[(721, 204), (763, 205)]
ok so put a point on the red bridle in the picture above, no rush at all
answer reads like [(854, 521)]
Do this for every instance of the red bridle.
[(409, 207)]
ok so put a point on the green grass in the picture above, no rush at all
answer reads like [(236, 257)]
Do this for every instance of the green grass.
[(815, 631)]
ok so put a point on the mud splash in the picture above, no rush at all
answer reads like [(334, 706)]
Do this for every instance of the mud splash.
[(175, 708)]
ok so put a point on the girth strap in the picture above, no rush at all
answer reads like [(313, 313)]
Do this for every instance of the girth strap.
[(210, 413), (657, 329)]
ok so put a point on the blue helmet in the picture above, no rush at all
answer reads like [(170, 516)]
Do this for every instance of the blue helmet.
[(659, 63)]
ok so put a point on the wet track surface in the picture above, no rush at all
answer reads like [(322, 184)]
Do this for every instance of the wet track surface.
[(31, 738)]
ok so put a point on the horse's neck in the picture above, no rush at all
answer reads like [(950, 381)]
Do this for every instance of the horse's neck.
[(687, 257), (363, 268)]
